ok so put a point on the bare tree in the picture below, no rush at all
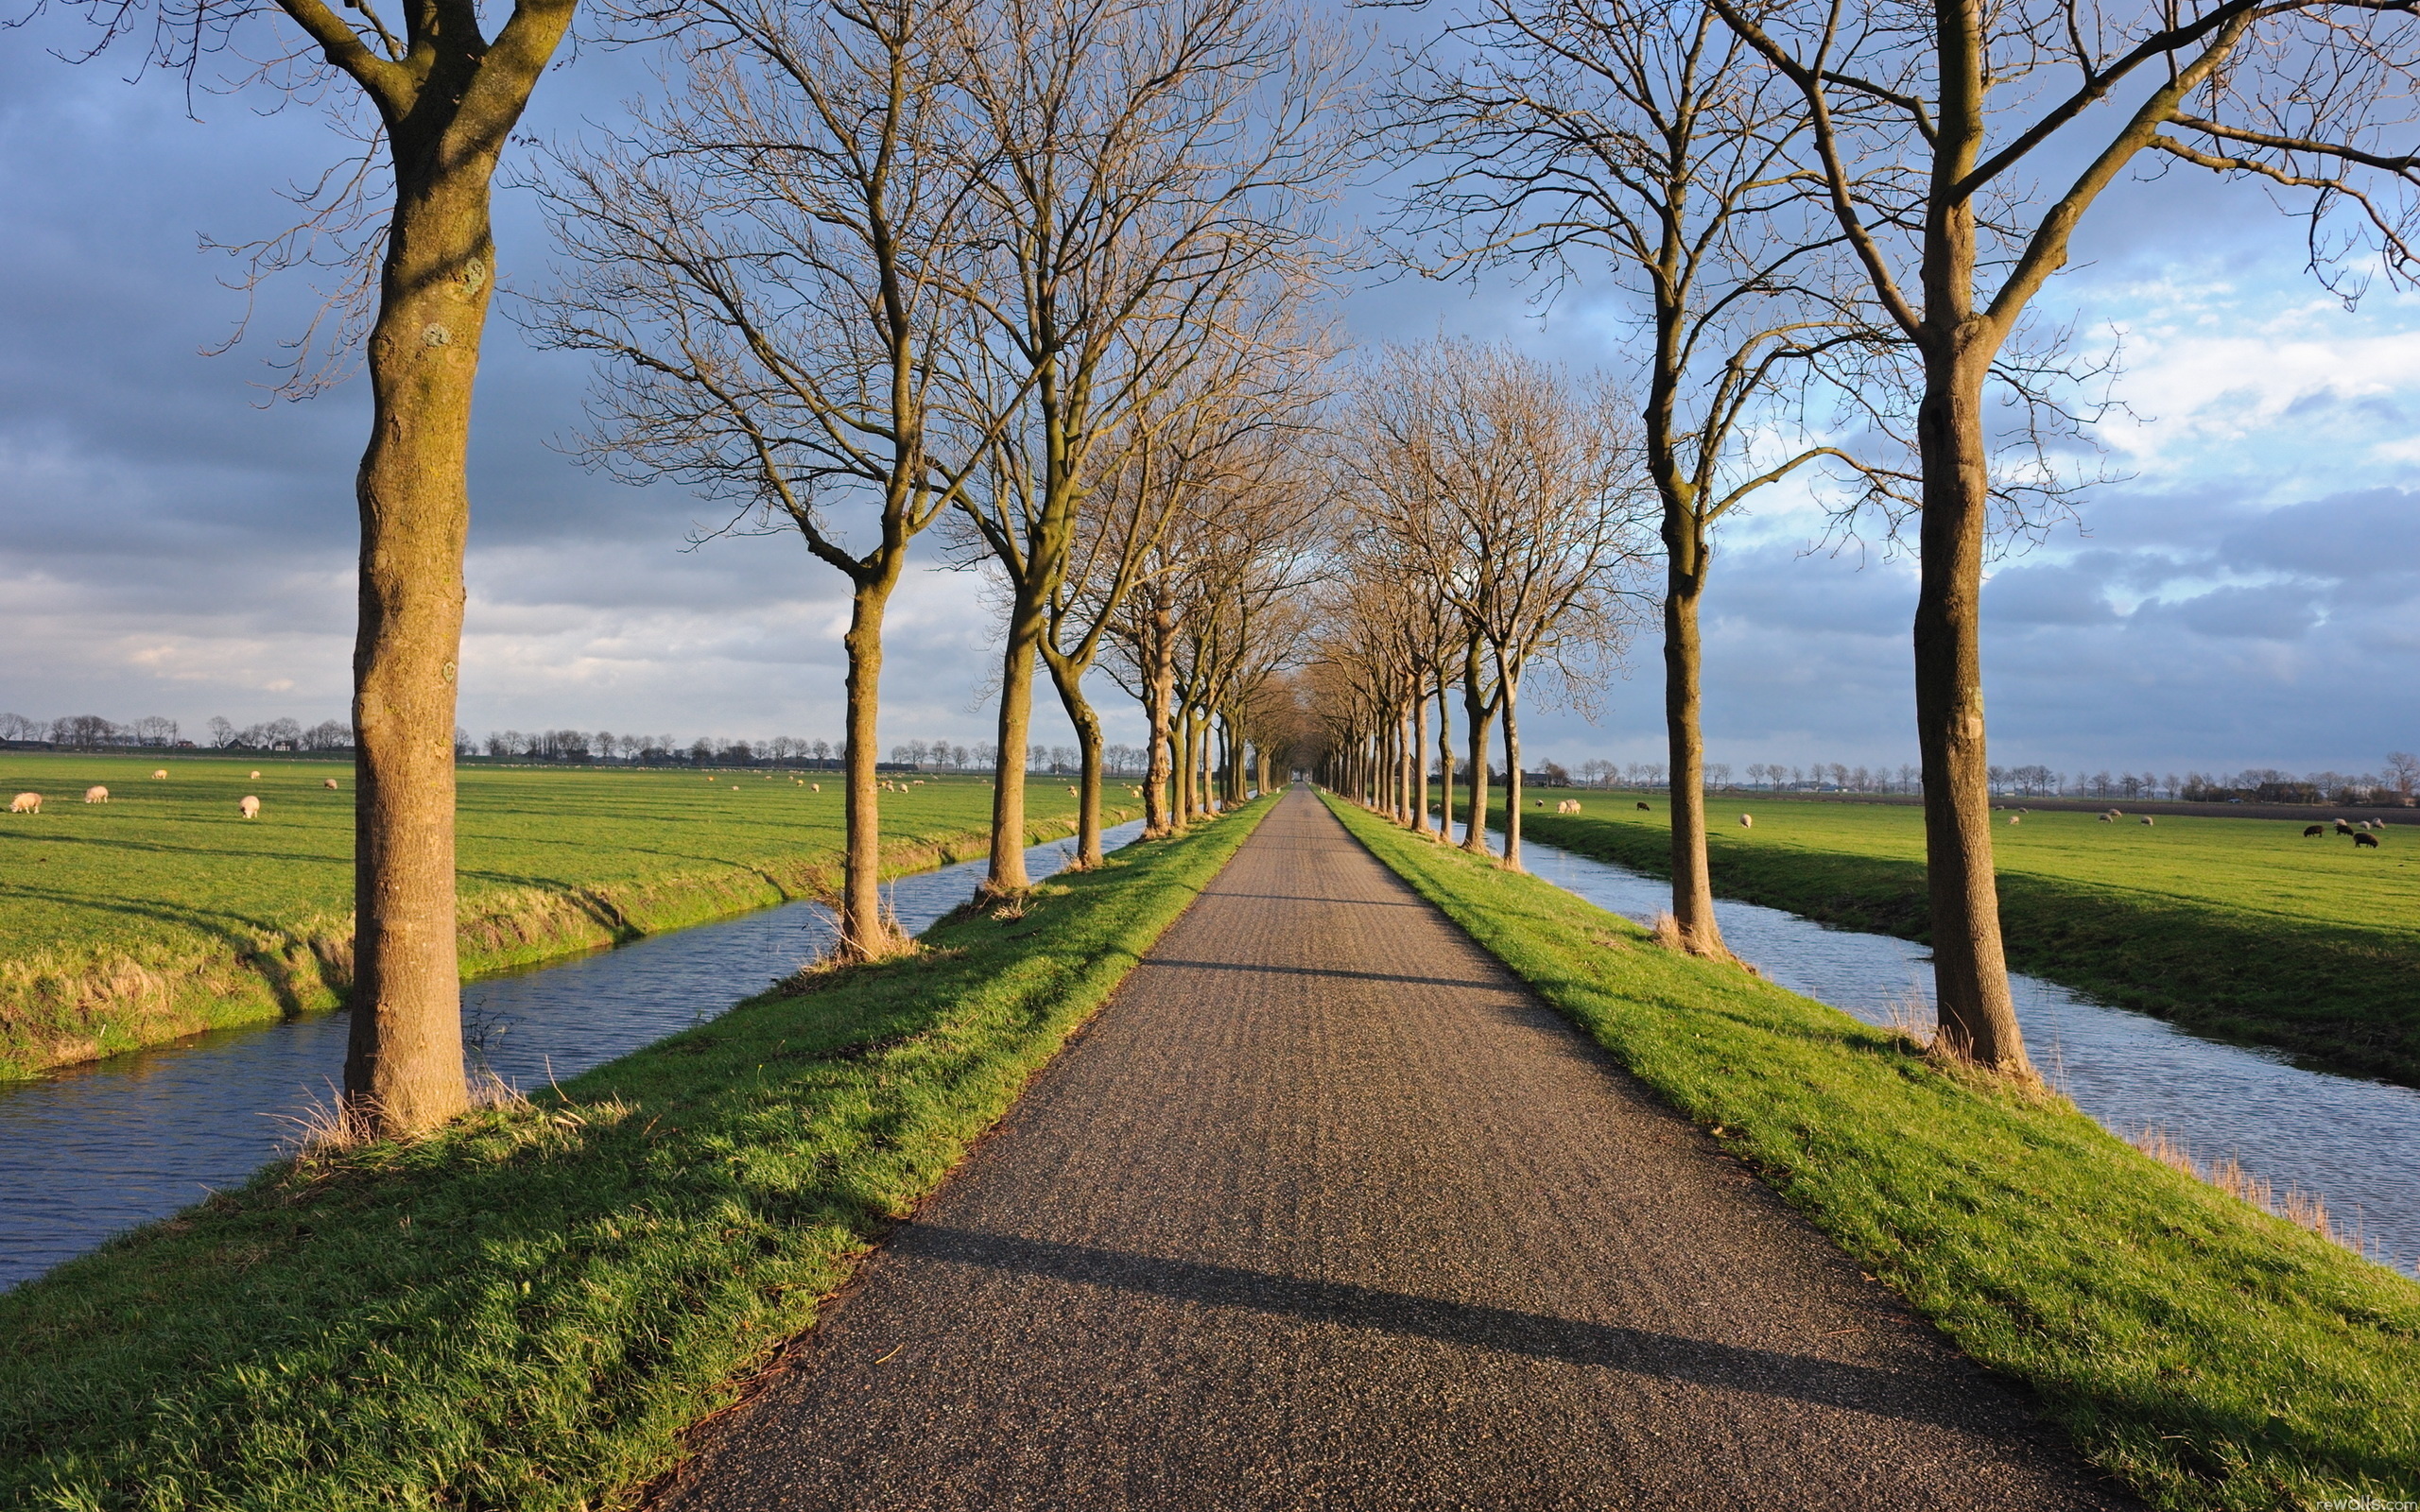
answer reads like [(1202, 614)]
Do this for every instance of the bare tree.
[(416, 246), (1924, 118), (1151, 162), (1519, 495), (1250, 384), (1651, 137), (771, 268)]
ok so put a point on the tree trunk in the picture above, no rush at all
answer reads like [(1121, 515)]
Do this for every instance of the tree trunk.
[(1159, 696), (1068, 679), (1444, 761), (1508, 693), (1007, 873), (403, 1051), (1183, 764), (1420, 762), (865, 935), (1686, 559), (1476, 715), (1978, 1017)]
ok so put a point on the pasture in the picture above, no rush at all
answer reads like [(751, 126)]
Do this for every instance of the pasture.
[(2236, 927), (163, 911)]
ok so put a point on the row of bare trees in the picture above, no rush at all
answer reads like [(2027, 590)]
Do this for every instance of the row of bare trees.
[(1859, 203), (1034, 267), (1023, 270), (1491, 527)]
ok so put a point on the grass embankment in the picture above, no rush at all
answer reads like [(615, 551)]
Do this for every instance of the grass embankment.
[(2239, 929), (526, 1309), (163, 912), (2211, 1355)]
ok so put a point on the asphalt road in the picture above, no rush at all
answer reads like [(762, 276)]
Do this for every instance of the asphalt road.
[(1324, 1210)]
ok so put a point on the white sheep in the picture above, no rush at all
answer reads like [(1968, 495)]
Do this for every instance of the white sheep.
[(25, 803), (255, 777), (2014, 818), (249, 808), (2147, 818), (1747, 821), (96, 793), (160, 776), (328, 782), (814, 788)]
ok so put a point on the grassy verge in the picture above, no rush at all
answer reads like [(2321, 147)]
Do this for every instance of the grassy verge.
[(163, 913), (2240, 929), (2211, 1355), (527, 1311)]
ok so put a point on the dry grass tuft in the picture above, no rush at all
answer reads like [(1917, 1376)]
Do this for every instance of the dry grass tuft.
[(2305, 1210), (1668, 933), (330, 1126)]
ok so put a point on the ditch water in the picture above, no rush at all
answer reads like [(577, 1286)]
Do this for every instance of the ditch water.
[(2352, 1142), (97, 1149)]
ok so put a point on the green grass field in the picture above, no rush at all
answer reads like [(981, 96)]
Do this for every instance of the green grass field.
[(2237, 928), (527, 1310), (2211, 1355), (163, 912)]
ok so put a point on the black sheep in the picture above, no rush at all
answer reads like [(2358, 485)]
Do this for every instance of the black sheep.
[(2343, 828), (2360, 840), (1644, 809), (2316, 829)]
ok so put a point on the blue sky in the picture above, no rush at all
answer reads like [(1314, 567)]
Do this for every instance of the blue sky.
[(2248, 593)]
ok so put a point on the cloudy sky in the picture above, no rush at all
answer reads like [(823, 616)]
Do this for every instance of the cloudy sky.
[(171, 543)]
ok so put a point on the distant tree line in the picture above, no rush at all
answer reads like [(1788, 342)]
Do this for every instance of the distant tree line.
[(92, 732), (2398, 783), (89, 730)]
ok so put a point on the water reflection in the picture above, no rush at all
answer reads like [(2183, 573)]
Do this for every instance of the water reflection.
[(2353, 1141), (102, 1147)]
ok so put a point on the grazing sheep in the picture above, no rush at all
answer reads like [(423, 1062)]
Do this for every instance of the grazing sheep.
[(2104, 818), (2147, 818), (96, 793), (255, 777), (2343, 828), (1071, 792), (2366, 838), (328, 782), (1747, 821), (814, 788), (2316, 829), (1644, 809), (249, 808), (25, 803), (160, 776), (2014, 818)]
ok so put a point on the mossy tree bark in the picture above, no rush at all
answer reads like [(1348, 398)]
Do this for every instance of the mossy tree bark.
[(448, 100), (1684, 564), (1445, 760), (1066, 676), (1508, 684), (1479, 714)]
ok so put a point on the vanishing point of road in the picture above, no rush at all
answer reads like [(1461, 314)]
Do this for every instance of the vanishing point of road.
[(1325, 1210)]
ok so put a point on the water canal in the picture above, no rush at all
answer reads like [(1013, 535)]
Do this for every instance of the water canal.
[(99, 1148), (2353, 1141)]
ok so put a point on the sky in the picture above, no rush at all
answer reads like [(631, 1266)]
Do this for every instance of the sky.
[(2244, 592)]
